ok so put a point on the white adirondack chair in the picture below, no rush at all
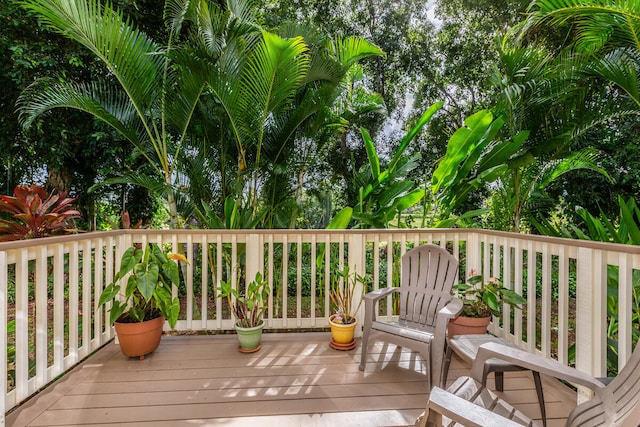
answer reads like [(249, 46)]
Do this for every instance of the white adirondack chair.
[(426, 305), (467, 402)]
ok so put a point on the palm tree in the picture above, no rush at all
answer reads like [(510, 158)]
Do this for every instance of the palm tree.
[(269, 99), (570, 68), (144, 94), (602, 37)]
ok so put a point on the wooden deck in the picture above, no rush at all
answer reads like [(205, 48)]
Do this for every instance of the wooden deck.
[(294, 380)]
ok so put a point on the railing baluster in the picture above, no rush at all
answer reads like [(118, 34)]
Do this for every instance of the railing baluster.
[(313, 280), (546, 301), (591, 344), (98, 286), (625, 309), (216, 281), (204, 282), (563, 305), (22, 326), (86, 299), (299, 281), (41, 308)]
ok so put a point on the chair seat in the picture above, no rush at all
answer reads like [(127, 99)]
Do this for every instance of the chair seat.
[(471, 390), (404, 330)]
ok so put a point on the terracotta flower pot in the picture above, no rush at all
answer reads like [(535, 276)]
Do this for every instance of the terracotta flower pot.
[(342, 335), (139, 338), (468, 325)]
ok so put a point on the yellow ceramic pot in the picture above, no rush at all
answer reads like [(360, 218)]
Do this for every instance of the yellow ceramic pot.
[(342, 334)]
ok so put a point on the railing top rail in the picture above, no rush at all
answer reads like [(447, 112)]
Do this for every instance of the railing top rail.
[(79, 237), (630, 249), (605, 246)]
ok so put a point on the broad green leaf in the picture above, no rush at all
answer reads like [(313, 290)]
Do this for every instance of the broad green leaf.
[(409, 200), (374, 161), (147, 280), (393, 191), (627, 216), (172, 270), (491, 300), (424, 119), (108, 294), (341, 220), (116, 311), (173, 312), (503, 151), (459, 146), (230, 212), (129, 259), (471, 162)]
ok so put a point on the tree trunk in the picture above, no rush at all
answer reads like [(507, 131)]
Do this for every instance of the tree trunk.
[(59, 179), (173, 208)]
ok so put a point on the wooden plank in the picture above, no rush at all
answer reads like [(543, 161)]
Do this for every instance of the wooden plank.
[(295, 379)]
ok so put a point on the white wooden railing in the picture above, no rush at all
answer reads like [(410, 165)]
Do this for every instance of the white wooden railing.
[(49, 288)]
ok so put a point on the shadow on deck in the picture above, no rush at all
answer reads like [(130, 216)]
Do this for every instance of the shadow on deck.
[(294, 380)]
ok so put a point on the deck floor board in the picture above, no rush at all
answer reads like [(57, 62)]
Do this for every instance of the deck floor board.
[(294, 380)]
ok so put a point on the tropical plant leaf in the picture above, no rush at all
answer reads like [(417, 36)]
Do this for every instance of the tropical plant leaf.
[(341, 220), (374, 161), (147, 279)]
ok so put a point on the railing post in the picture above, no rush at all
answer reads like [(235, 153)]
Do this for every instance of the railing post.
[(591, 315), (474, 255), (255, 256), (357, 262)]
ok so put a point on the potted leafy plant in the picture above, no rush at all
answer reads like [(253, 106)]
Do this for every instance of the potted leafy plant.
[(139, 313), (343, 322), (248, 308), (481, 300)]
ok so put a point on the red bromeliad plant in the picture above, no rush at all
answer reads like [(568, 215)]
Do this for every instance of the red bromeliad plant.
[(36, 214)]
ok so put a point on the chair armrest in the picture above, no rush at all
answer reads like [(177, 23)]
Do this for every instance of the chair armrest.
[(380, 293), (443, 403), (533, 362), (446, 313), (370, 301), (450, 311)]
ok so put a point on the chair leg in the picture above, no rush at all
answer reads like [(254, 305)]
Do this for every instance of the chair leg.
[(445, 368), (538, 382), (499, 377), (365, 342)]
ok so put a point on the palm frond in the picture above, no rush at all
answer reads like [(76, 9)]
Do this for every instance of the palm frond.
[(273, 73), (587, 158), (350, 50), (97, 98), (620, 68), (133, 59), (152, 184)]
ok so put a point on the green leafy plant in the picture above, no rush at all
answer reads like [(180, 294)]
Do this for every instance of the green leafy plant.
[(148, 291), (384, 193), (342, 295), (483, 299), (248, 307), (36, 214), (475, 157)]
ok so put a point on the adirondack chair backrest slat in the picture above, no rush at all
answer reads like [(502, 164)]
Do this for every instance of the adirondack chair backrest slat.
[(428, 274)]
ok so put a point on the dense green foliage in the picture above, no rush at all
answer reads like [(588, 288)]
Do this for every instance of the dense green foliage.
[(248, 114)]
